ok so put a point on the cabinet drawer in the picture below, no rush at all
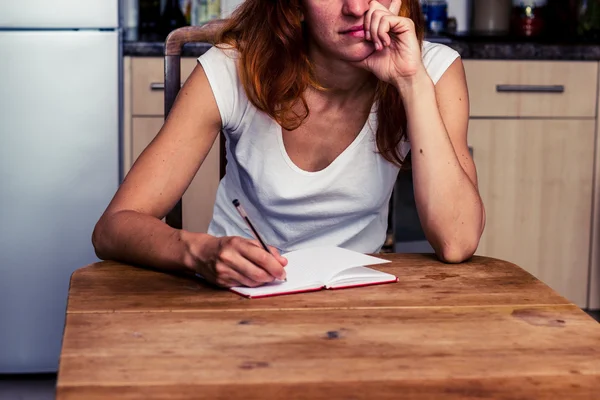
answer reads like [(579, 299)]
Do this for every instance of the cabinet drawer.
[(148, 76), (532, 88)]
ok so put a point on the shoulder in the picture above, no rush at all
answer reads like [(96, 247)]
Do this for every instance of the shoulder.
[(220, 64), (437, 57), (220, 57)]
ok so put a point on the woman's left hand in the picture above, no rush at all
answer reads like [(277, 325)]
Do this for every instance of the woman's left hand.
[(397, 54)]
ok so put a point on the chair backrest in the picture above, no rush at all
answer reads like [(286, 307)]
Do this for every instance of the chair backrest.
[(173, 48)]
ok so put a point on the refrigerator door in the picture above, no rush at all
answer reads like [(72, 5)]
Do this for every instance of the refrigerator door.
[(59, 158), (59, 14)]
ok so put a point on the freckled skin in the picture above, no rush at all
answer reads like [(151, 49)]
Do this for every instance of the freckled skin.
[(325, 19)]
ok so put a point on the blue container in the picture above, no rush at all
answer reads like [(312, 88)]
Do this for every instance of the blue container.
[(436, 16)]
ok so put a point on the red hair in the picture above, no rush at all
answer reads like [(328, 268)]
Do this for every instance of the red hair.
[(275, 70)]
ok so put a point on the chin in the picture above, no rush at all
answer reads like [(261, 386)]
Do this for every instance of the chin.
[(358, 52)]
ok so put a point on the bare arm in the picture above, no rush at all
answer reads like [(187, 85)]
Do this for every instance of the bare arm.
[(131, 230), (444, 175)]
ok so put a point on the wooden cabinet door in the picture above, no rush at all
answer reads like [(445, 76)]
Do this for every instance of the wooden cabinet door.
[(535, 178), (199, 199)]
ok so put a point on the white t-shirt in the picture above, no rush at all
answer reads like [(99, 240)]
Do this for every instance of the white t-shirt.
[(345, 204)]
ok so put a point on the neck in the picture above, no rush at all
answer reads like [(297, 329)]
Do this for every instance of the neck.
[(343, 81)]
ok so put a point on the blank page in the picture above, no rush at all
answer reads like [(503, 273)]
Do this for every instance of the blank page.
[(311, 268), (360, 275), (323, 263)]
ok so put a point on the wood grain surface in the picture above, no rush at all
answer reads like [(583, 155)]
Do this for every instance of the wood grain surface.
[(423, 281), (472, 352), (478, 330)]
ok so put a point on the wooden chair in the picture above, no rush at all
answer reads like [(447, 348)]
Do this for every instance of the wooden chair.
[(173, 48)]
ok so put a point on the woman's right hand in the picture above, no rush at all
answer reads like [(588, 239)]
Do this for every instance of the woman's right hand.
[(235, 261)]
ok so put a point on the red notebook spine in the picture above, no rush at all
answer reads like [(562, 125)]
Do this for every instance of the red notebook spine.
[(261, 296), (395, 279)]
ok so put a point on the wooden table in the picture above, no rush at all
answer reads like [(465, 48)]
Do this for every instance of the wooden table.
[(479, 330)]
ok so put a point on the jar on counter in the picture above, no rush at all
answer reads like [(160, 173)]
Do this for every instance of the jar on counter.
[(435, 13), (528, 17), (491, 17)]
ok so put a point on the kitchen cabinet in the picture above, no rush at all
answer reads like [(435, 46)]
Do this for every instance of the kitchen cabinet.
[(536, 179), (144, 116), (533, 147)]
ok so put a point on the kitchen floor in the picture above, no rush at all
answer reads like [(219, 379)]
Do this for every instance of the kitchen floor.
[(42, 386), (27, 387), (594, 314)]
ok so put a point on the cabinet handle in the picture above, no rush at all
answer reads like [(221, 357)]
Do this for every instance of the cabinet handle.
[(158, 86), (530, 88)]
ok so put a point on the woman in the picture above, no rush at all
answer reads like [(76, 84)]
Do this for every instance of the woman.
[(320, 101)]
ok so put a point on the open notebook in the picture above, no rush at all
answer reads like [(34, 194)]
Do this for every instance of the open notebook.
[(322, 268)]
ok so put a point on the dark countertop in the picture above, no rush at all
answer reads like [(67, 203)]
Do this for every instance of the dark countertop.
[(157, 49), (469, 48)]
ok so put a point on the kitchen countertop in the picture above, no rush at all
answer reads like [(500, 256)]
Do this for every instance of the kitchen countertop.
[(469, 48)]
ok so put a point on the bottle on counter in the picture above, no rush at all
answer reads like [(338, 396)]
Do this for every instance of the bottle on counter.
[(186, 8), (149, 19), (130, 19), (528, 17), (171, 18)]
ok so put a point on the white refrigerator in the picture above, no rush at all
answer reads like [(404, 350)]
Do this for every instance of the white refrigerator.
[(60, 95)]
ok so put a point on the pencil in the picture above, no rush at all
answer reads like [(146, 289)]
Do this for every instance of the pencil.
[(243, 214)]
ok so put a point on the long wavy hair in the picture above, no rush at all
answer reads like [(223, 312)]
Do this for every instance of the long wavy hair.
[(275, 69)]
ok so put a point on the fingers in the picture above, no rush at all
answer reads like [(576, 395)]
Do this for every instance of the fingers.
[(373, 19), (243, 262), (232, 268), (395, 6), (251, 261), (236, 279), (378, 36), (367, 22), (373, 6), (282, 260), (269, 262), (380, 21)]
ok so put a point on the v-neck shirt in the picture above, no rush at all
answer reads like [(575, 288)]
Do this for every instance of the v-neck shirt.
[(345, 204)]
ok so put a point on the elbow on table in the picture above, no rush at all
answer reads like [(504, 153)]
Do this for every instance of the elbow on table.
[(463, 246), (99, 239), (457, 252)]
